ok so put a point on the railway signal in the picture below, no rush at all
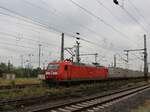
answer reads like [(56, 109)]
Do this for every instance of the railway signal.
[(62, 47), (77, 49)]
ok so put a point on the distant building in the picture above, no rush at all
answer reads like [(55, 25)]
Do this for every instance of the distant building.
[(8, 76)]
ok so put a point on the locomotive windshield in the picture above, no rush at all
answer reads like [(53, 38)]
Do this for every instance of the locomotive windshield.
[(53, 67)]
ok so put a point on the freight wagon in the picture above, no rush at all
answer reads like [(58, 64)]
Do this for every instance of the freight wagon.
[(124, 73)]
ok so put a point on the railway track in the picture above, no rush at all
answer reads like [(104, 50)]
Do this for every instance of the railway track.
[(19, 101), (94, 103), (18, 86), (24, 101)]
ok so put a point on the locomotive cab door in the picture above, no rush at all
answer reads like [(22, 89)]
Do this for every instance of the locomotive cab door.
[(67, 71)]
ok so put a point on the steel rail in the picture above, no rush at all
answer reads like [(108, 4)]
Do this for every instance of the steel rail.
[(84, 104)]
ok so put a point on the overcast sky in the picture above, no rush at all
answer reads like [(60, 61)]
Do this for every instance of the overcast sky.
[(24, 24)]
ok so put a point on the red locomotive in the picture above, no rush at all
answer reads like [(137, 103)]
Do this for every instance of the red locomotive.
[(69, 71)]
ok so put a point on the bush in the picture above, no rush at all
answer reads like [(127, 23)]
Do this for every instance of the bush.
[(20, 72), (13, 83)]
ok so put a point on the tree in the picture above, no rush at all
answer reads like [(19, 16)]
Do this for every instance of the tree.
[(20, 72), (3, 68)]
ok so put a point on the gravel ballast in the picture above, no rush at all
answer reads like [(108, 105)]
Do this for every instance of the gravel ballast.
[(128, 104)]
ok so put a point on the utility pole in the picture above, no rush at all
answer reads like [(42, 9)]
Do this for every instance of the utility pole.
[(145, 58), (30, 63), (127, 54), (21, 61), (40, 55), (114, 61), (62, 47), (8, 65), (127, 62)]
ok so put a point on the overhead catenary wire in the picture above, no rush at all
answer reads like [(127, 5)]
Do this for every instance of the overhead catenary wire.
[(86, 40), (22, 19), (28, 39), (49, 12), (83, 26), (15, 45), (33, 21), (83, 39), (18, 45), (15, 36), (26, 1), (137, 57), (99, 18), (9, 35), (14, 49), (21, 51), (12, 44), (21, 46), (133, 18), (110, 12), (136, 20), (33, 40), (139, 12)]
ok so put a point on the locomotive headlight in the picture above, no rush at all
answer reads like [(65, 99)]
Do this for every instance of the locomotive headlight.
[(47, 73), (51, 73)]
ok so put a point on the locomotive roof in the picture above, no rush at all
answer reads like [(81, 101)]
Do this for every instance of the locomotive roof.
[(77, 64)]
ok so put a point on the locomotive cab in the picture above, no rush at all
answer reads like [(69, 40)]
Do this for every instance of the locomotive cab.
[(66, 71), (56, 70), (52, 71)]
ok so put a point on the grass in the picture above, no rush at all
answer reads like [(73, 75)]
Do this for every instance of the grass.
[(23, 93), (6, 108), (20, 81), (62, 91), (144, 108)]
